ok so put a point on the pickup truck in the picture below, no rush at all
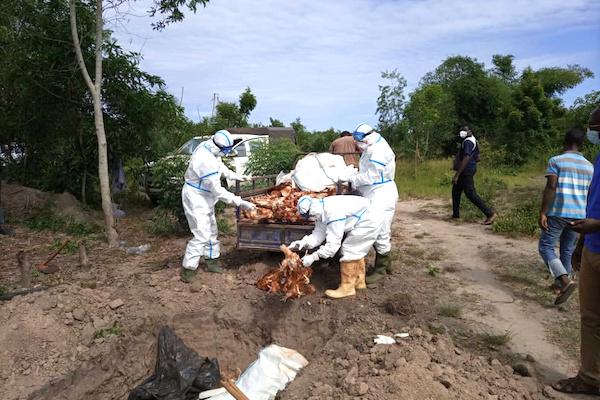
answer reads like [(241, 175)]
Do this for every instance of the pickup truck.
[(270, 236)]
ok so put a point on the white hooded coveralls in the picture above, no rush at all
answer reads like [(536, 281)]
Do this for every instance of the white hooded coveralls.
[(201, 191), (375, 181), (336, 215)]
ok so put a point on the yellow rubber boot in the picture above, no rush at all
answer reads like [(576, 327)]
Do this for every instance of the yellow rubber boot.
[(362, 271), (349, 272)]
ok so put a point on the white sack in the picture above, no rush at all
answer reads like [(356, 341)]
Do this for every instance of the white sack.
[(317, 172), (275, 367)]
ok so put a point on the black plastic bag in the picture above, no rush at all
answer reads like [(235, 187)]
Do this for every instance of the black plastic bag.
[(180, 373)]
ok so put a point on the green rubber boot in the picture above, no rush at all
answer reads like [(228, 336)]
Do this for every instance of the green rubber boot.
[(212, 265), (383, 265), (188, 275)]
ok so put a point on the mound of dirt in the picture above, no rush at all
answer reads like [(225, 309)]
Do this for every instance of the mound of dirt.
[(400, 304), (21, 201)]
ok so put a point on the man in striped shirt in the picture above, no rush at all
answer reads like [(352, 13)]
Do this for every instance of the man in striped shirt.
[(565, 198)]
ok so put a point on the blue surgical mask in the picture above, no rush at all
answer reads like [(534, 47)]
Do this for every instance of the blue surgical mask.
[(593, 136)]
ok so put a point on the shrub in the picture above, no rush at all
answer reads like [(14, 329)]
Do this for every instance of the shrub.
[(167, 174), (163, 222), (271, 158), (523, 220)]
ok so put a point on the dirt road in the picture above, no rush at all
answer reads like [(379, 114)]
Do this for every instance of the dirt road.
[(471, 248)]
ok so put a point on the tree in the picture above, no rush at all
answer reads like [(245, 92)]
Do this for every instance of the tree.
[(247, 103), (504, 68), (528, 119), (390, 104), (431, 119), (276, 123), (558, 80), (169, 7), (232, 115), (477, 96), (302, 134)]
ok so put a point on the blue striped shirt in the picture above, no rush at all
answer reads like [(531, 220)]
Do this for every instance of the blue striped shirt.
[(574, 175)]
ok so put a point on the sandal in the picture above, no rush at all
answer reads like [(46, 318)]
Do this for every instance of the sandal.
[(554, 288), (565, 293), (575, 386)]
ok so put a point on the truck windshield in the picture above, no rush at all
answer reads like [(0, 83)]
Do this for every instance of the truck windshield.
[(189, 146)]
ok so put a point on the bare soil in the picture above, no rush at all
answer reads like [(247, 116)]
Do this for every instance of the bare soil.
[(92, 334)]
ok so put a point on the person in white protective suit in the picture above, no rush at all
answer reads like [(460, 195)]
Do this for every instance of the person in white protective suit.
[(335, 216), (201, 191), (375, 181)]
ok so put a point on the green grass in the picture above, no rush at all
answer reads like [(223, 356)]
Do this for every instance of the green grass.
[(53, 223), (494, 339), (515, 195), (114, 330), (225, 228), (522, 220), (530, 279), (163, 222), (452, 310), (432, 271), (434, 178), (566, 335)]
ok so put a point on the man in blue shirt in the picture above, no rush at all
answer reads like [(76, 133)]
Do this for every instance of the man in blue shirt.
[(465, 171), (586, 258), (565, 197)]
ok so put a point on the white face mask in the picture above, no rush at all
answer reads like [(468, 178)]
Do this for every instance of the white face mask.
[(593, 136), (463, 134)]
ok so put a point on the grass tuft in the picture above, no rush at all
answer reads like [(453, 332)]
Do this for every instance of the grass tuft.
[(495, 339), (452, 310)]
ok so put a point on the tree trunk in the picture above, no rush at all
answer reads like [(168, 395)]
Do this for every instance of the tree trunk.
[(83, 156), (96, 91), (24, 267), (416, 156), (83, 258)]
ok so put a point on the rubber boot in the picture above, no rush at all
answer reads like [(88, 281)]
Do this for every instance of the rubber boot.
[(188, 275), (383, 264), (360, 281), (212, 265), (349, 272)]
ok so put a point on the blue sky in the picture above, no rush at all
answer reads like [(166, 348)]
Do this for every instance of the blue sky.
[(321, 60)]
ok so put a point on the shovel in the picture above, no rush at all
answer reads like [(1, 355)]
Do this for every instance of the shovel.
[(51, 269)]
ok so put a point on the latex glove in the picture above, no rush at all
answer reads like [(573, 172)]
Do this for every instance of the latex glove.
[(297, 245), (348, 174), (310, 259), (243, 178), (246, 205)]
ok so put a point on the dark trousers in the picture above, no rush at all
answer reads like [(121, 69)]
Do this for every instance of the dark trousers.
[(589, 304), (467, 184)]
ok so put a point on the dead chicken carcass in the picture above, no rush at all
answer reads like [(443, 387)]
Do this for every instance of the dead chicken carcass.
[(290, 278), (280, 204)]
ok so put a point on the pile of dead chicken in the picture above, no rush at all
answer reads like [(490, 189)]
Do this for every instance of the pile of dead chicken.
[(280, 204), (290, 278)]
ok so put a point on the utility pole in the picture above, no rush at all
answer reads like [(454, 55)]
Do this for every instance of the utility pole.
[(181, 98), (215, 101)]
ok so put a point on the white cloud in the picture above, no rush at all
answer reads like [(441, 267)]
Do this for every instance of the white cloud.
[(321, 59)]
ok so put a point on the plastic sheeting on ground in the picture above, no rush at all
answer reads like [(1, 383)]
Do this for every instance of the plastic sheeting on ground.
[(180, 373), (316, 172), (275, 367)]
